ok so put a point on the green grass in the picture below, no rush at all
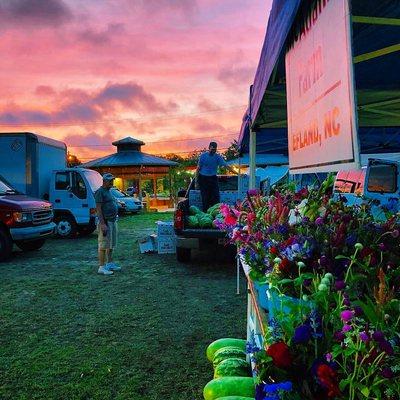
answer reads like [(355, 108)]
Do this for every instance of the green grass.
[(69, 333)]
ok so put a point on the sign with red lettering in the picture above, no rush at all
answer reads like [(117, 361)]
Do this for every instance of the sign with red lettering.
[(322, 134)]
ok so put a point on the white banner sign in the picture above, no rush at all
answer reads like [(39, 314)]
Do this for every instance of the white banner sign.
[(320, 96)]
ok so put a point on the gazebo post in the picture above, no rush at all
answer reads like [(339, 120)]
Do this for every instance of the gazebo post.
[(171, 195), (140, 183), (155, 189)]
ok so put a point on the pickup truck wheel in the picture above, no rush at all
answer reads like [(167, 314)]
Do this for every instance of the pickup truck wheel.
[(31, 245), (6, 245), (182, 254), (65, 226)]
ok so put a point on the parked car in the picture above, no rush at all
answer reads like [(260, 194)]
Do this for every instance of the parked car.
[(130, 191), (24, 220), (126, 203)]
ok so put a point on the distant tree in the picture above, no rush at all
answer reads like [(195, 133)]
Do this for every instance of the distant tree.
[(232, 152), (72, 160)]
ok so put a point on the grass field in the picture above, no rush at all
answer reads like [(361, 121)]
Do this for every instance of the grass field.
[(69, 333)]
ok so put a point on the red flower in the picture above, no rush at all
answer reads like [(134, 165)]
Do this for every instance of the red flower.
[(274, 250), (230, 220), (280, 354), (284, 265), (328, 379)]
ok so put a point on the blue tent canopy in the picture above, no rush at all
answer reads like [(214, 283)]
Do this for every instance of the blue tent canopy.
[(376, 46)]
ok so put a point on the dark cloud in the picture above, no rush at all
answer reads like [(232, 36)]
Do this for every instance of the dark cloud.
[(204, 126), (185, 6), (43, 90), (78, 112), (207, 105), (25, 117), (129, 95), (98, 38), (78, 106), (235, 75), (41, 12)]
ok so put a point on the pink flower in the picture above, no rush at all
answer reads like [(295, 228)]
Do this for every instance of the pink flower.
[(346, 315), (346, 328), (224, 209)]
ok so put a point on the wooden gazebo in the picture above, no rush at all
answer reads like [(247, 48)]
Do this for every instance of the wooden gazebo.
[(129, 164)]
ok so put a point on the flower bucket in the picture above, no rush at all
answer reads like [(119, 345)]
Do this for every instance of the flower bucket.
[(261, 291), (281, 306)]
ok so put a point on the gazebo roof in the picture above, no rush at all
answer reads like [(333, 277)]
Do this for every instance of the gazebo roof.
[(129, 154), (129, 158), (128, 140)]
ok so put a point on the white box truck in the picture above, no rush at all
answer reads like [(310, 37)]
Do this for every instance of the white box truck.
[(36, 165)]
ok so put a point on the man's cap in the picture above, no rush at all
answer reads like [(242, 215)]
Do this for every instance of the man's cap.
[(108, 177)]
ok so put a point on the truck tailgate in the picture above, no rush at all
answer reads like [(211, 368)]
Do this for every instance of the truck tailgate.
[(202, 233)]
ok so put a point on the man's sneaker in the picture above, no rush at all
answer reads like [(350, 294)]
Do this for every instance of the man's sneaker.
[(104, 271), (113, 267)]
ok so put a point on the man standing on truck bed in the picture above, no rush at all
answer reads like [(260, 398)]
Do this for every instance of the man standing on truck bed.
[(107, 209), (206, 175)]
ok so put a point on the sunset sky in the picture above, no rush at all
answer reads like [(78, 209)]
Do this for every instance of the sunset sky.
[(173, 73)]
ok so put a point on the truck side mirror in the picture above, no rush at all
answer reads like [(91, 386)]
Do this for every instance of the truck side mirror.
[(181, 193)]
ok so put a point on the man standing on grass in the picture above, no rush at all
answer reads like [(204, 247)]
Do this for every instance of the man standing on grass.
[(107, 210), (206, 175)]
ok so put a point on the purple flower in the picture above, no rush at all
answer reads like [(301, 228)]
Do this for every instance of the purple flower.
[(387, 373), (385, 346), (358, 311), (382, 246), (346, 328), (347, 302), (395, 233), (319, 221), (346, 315), (364, 336), (340, 285), (252, 192), (339, 336), (323, 261), (302, 334), (378, 336), (351, 239), (328, 357)]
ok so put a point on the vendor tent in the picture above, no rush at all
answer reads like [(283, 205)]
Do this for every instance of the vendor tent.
[(376, 46)]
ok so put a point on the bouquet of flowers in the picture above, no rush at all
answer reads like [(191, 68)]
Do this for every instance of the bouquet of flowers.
[(341, 267)]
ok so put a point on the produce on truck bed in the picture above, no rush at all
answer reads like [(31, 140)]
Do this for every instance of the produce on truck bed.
[(224, 342), (193, 210), (232, 367), (228, 352), (229, 386)]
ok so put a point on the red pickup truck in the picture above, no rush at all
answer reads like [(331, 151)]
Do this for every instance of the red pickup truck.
[(24, 220)]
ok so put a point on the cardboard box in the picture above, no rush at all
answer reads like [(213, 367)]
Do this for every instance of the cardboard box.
[(165, 228), (148, 244), (166, 245)]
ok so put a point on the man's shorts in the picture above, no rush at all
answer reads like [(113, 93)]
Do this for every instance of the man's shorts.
[(110, 240)]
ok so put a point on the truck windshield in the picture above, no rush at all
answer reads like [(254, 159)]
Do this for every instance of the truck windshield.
[(382, 178), (94, 179), (6, 189)]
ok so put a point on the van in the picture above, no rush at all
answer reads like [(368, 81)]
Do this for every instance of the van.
[(379, 181)]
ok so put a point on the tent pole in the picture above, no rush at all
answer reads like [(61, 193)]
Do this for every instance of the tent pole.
[(252, 161)]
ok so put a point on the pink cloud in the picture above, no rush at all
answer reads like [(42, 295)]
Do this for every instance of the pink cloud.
[(158, 70)]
